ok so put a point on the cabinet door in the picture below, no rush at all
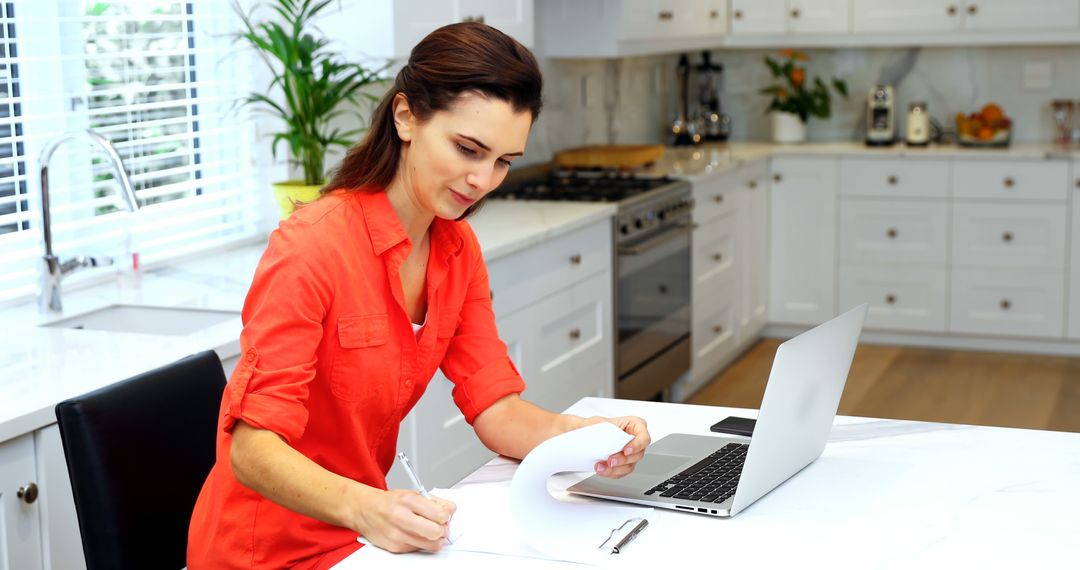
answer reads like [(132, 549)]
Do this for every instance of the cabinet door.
[(1008, 302), (512, 17), (714, 14), (20, 522), (754, 242), (60, 524), (874, 16), (414, 19), (753, 17), (1009, 236), (998, 15), (1074, 264), (802, 241), (819, 16), (714, 333), (894, 231), (901, 297)]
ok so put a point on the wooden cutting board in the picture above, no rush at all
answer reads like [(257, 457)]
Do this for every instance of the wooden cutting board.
[(621, 157)]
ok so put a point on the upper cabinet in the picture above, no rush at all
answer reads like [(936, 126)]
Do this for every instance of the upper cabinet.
[(615, 28), (384, 29), (877, 16), (775, 17)]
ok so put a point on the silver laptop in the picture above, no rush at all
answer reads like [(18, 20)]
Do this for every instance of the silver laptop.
[(721, 476)]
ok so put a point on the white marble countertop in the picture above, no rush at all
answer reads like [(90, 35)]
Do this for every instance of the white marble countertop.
[(40, 367), (883, 494)]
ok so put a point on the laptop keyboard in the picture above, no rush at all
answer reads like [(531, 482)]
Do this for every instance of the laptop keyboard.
[(711, 480)]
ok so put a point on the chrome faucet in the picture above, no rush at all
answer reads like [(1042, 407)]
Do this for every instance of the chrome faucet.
[(52, 269)]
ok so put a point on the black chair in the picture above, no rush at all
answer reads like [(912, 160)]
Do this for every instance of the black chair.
[(138, 452)]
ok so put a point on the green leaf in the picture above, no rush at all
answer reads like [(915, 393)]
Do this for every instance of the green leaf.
[(841, 87)]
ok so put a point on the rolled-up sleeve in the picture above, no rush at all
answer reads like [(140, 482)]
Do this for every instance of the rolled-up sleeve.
[(283, 326), (476, 360)]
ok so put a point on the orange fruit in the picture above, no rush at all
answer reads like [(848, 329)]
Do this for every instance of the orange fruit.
[(985, 133), (992, 113)]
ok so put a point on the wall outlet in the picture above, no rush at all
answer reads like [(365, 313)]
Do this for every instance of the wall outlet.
[(1038, 75), (590, 91)]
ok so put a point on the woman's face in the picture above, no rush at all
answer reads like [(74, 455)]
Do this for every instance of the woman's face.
[(459, 155)]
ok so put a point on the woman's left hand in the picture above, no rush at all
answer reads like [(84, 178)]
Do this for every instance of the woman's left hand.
[(622, 463)]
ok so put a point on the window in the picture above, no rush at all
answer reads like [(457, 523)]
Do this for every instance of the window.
[(157, 78)]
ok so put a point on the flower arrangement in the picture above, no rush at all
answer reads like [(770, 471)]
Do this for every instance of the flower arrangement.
[(794, 93)]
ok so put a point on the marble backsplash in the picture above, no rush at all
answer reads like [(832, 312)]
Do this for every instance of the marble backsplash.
[(631, 100)]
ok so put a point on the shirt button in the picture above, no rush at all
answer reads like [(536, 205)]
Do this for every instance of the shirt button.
[(250, 357)]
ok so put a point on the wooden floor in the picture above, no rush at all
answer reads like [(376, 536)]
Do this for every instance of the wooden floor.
[(984, 388)]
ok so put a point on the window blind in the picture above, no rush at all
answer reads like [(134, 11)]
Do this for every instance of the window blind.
[(156, 78)]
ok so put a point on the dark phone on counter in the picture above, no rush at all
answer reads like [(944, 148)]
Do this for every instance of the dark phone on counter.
[(735, 425)]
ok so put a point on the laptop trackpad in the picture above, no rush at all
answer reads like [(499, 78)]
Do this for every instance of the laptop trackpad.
[(657, 465)]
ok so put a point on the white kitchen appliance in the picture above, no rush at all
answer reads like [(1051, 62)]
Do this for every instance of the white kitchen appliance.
[(918, 125), (881, 116)]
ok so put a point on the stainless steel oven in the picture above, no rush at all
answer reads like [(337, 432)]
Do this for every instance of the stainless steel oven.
[(652, 296)]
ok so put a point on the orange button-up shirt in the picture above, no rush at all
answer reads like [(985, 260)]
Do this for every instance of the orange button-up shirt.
[(330, 363)]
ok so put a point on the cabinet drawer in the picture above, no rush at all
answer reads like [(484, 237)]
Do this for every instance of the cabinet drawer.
[(1011, 179), (880, 231), (526, 276), (1015, 303), (1015, 235), (901, 297), (714, 333), (715, 247), (894, 177), (716, 196)]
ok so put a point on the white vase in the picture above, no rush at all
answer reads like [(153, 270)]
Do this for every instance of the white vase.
[(787, 128)]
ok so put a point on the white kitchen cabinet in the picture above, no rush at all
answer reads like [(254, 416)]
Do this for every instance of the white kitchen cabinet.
[(553, 303), (1073, 288), (920, 16), (777, 17), (894, 231), (925, 16), (1005, 15), (754, 243), (1009, 235), (61, 538), (894, 178), (1011, 180), (20, 520), (1008, 302), (902, 297), (802, 240), (616, 28), (390, 28)]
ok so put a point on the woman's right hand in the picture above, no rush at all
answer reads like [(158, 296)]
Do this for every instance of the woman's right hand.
[(404, 521)]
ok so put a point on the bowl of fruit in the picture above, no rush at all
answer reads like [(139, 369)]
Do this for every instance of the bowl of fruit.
[(988, 127)]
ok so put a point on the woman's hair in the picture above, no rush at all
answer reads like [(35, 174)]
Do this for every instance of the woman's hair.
[(451, 60)]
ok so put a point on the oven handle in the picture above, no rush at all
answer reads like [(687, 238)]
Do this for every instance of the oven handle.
[(657, 241)]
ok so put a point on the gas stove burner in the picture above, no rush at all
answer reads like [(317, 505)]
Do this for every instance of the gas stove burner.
[(583, 186)]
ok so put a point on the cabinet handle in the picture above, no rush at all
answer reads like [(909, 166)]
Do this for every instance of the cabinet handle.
[(667, 15), (1005, 304), (474, 19), (890, 299), (714, 14), (737, 15), (28, 493), (718, 198), (777, 178), (795, 13), (575, 259), (1009, 182), (973, 9), (753, 184), (891, 232), (718, 329), (951, 10), (1007, 237), (1078, 183), (717, 257), (575, 334), (892, 180)]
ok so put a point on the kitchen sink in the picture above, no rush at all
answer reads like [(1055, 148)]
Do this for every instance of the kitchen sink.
[(146, 320)]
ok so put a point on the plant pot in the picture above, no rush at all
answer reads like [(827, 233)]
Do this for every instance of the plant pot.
[(289, 195), (787, 128)]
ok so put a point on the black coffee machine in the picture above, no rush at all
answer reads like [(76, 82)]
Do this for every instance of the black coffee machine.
[(715, 124)]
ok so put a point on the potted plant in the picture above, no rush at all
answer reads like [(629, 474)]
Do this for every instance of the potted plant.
[(794, 98), (315, 87)]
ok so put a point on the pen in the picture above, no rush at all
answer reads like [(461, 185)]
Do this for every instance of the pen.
[(405, 464), (630, 536)]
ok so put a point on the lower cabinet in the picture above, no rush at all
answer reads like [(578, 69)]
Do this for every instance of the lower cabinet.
[(560, 339), (1074, 260)]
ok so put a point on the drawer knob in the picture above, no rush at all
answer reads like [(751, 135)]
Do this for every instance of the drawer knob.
[(1005, 304), (753, 184), (973, 9), (738, 14), (777, 177), (575, 334), (890, 299), (951, 10), (795, 13), (892, 180), (1078, 183), (575, 259), (28, 493), (1009, 182), (714, 14), (718, 329), (717, 257), (667, 15), (1007, 237), (718, 198), (891, 232)]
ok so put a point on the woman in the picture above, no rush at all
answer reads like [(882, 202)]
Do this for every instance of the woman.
[(359, 297)]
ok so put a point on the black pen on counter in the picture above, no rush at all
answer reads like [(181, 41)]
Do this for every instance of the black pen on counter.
[(630, 536)]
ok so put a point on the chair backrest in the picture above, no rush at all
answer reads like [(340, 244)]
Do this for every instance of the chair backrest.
[(138, 452)]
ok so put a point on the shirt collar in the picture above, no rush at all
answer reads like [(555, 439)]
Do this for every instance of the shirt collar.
[(386, 230)]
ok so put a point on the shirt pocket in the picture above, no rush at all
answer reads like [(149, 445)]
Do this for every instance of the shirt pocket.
[(363, 361)]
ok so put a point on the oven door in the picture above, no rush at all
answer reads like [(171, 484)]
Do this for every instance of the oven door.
[(653, 304)]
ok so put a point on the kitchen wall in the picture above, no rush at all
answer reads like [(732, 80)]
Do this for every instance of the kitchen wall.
[(632, 99)]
